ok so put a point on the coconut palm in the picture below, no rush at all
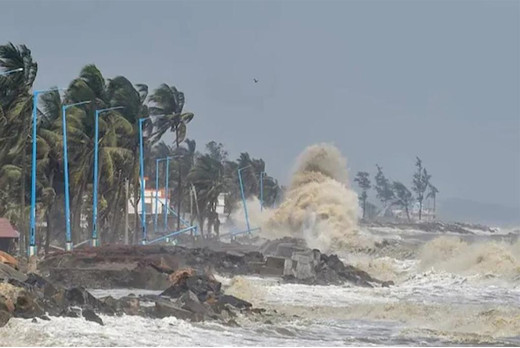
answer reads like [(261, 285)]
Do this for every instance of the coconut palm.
[(16, 99), (121, 91), (169, 101)]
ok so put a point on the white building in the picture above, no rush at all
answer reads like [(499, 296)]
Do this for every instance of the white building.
[(149, 199)]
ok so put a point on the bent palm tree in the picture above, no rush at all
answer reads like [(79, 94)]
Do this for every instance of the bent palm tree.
[(169, 101)]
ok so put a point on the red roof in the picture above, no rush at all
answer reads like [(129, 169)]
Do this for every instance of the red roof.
[(6, 230)]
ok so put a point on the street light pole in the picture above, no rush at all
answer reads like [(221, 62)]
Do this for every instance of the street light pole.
[(243, 197), (95, 240), (68, 239), (32, 229)]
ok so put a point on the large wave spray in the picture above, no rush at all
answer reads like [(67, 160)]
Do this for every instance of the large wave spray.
[(319, 204)]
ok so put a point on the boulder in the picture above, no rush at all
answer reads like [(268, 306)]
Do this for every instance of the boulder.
[(234, 301), (4, 317), (190, 302), (69, 312), (82, 298), (26, 306), (7, 259), (129, 305), (89, 315), (165, 308), (201, 285), (7, 272)]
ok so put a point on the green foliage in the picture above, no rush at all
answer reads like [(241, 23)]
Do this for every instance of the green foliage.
[(210, 174), (383, 187), (421, 182), (403, 197), (363, 180)]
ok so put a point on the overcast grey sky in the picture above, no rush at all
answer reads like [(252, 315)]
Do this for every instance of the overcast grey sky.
[(383, 80)]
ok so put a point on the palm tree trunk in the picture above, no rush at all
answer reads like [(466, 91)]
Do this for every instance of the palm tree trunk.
[(420, 210), (136, 198), (21, 221), (76, 225)]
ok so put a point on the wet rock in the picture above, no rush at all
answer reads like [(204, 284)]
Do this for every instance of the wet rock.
[(201, 285), (129, 305), (44, 317), (165, 308), (4, 317), (34, 320), (71, 313), (7, 272), (81, 297), (190, 302), (89, 315), (26, 307), (234, 301), (6, 304), (387, 284), (232, 323)]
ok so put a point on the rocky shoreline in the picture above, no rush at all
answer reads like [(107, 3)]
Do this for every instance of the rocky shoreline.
[(183, 274)]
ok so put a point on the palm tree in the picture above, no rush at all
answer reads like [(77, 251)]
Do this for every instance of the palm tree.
[(16, 98), (120, 91), (169, 101), (432, 193), (207, 176)]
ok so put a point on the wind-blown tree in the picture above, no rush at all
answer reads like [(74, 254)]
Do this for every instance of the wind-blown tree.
[(207, 176), (383, 187), (169, 101), (120, 91), (432, 193), (403, 197), (16, 101), (421, 180), (363, 180)]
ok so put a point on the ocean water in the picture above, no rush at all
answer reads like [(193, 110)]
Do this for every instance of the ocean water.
[(434, 302)]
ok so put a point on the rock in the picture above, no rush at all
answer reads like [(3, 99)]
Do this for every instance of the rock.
[(4, 317), (387, 284), (129, 305), (9, 260), (232, 323), (7, 272), (71, 313), (234, 301), (6, 304), (189, 301), (181, 275), (26, 307), (81, 297), (34, 320), (200, 285), (166, 308), (89, 315), (44, 317)]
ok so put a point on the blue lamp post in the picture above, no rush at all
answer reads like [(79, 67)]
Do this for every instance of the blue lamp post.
[(95, 240), (68, 239), (32, 229), (262, 191), (141, 170), (5, 73), (243, 197)]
